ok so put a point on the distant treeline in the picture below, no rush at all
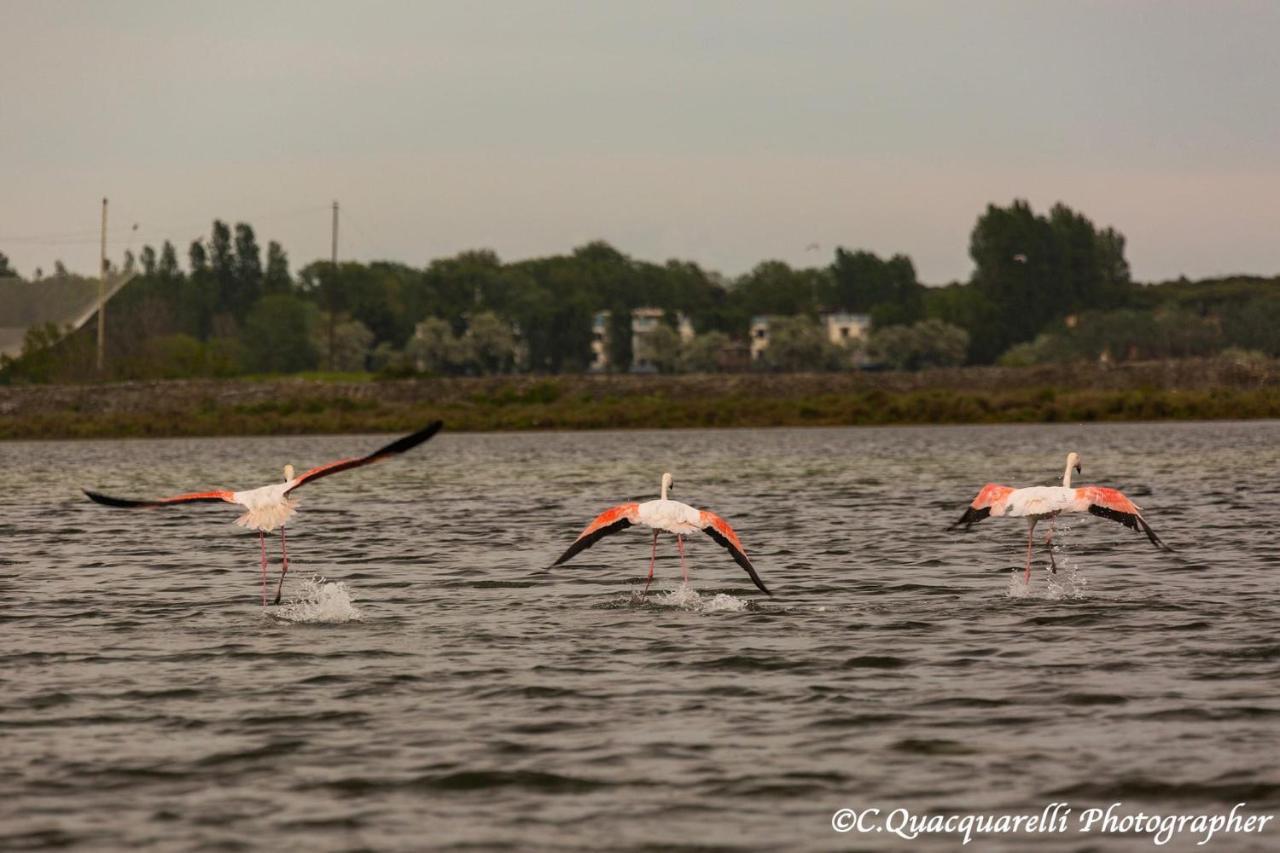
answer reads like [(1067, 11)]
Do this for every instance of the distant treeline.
[(1044, 288)]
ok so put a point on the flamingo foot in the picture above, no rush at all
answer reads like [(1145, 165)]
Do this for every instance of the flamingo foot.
[(683, 569)]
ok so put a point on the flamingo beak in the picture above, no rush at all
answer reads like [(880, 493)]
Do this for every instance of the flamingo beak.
[(1078, 471)]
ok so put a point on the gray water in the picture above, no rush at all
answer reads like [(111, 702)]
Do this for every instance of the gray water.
[(443, 691)]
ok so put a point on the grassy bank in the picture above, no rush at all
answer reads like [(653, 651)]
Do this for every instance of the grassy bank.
[(1174, 390)]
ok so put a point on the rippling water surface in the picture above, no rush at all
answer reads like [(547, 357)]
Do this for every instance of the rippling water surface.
[(444, 691)]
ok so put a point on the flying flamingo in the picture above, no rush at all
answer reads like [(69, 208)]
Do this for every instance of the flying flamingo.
[(269, 507), (671, 516), (1037, 502)]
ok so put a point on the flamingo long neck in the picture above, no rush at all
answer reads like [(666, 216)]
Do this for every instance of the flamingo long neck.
[(1066, 476), (664, 488)]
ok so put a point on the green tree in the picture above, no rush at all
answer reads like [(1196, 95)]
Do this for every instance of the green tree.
[(276, 278), (661, 348), (774, 288), (434, 348), (886, 289), (167, 266), (352, 341), (929, 343), (6, 271), (148, 261), (1033, 270), (702, 354), (277, 334), (198, 257), (247, 266), (800, 344), (492, 344)]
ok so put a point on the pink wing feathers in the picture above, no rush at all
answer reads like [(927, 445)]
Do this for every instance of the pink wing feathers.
[(395, 448), (215, 496), (990, 501), (719, 530), (1111, 503), (612, 520)]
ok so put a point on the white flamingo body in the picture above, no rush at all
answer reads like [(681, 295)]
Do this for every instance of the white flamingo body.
[(667, 515), (269, 507), (671, 516), (1039, 502)]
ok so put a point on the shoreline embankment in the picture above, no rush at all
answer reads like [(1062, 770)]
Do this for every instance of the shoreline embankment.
[(1208, 389)]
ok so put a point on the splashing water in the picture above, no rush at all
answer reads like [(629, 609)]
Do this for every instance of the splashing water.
[(686, 597), (1068, 583), (319, 602)]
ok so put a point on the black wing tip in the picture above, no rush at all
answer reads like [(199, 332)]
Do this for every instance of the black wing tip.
[(971, 517), (107, 500), (412, 440), (738, 557), (1151, 534)]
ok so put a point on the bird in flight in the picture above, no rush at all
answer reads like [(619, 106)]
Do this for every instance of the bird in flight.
[(671, 516), (271, 506), (1039, 502)]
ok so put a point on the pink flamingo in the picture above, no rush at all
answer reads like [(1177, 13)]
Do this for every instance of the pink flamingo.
[(1037, 502), (671, 516), (269, 507)]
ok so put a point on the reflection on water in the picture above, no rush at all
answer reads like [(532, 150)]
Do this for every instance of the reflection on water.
[(430, 683)]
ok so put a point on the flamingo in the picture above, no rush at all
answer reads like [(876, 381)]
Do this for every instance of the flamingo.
[(1037, 502), (671, 516), (268, 507)]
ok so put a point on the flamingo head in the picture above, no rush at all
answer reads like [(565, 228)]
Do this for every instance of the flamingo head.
[(668, 485), (1073, 461), (288, 473)]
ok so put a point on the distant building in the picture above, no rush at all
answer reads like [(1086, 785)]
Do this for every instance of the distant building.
[(643, 322), (845, 328), (759, 336), (599, 342), (842, 330)]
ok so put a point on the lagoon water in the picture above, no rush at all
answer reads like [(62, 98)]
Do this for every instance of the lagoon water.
[(443, 691)]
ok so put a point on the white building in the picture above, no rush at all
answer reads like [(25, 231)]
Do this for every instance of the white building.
[(643, 322), (842, 330)]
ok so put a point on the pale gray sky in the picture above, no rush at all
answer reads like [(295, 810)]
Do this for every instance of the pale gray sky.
[(721, 132)]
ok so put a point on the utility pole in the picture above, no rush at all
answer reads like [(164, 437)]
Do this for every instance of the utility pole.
[(102, 294), (333, 284)]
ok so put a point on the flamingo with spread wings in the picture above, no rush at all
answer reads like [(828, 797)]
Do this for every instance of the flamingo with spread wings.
[(1037, 502), (269, 507), (671, 516)]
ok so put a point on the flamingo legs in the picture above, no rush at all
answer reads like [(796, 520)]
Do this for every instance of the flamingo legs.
[(653, 558), (1031, 530), (284, 567), (1048, 542), (262, 541)]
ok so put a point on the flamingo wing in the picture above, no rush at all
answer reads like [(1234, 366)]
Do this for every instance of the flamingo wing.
[(395, 448), (1112, 504), (990, 501), (216, 496), (612, 520), (719, 530)]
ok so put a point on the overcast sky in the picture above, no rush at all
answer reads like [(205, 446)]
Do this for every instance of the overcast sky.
[(721, 132)]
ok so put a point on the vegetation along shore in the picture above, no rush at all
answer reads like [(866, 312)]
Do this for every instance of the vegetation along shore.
[(1177, 389)]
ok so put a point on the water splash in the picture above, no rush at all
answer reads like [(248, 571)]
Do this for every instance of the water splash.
[(320, 601), (685, 597), (1068, 583)]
